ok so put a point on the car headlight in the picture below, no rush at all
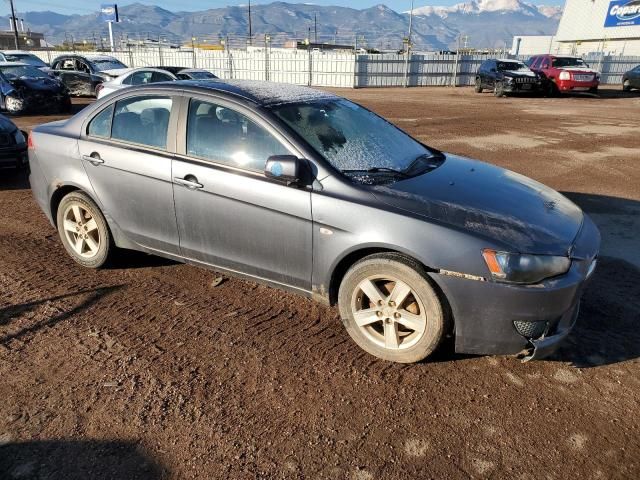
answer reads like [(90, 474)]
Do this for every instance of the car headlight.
[(19, 137), (524, 268), (564, 76)]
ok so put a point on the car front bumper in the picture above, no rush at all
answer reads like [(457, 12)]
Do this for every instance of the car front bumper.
[(525, 87), (527, 320), (13, 156), (575, 86)]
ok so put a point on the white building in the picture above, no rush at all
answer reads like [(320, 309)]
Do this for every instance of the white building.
[(587, 26)]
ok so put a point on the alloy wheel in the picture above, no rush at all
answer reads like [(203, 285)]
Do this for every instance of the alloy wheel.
[(81, 230), (388, 312)]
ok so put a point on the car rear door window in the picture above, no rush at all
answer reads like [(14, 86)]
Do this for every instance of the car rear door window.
[(142, 120), (223, 135), (160, 77), (139, 78), (100, 125)]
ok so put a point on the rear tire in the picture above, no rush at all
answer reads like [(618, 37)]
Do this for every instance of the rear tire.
[(626, 86), (84, 231), (390, 309)]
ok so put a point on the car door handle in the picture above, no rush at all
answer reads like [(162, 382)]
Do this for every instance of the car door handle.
[(189, 181), (94, 159)]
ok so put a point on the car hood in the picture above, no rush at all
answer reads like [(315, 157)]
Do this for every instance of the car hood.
[(114, 73), (38, 83), (499, 204), (578, 69), (518, 73)]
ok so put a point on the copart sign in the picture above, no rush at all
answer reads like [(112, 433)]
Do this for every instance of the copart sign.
[(623, 13)]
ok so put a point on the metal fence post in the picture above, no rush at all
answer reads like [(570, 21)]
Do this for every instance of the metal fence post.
[(355, 69), (267, 40), (454, 75), (310, 65), (193, 50)]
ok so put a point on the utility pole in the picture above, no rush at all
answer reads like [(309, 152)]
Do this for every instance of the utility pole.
[(315, 27), (15, 25), (408, 51), (250, 32)]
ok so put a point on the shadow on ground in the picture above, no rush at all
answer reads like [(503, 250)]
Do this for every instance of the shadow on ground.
[(14, 179), (10, 312), (608, 328), (78, 460)]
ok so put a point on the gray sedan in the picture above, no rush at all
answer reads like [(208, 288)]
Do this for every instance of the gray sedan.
[(310, 192)]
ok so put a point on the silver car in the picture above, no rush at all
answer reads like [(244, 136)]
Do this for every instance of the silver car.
[(310, 192)]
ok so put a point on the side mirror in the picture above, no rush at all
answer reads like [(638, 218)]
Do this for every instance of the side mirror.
[(284, 168)]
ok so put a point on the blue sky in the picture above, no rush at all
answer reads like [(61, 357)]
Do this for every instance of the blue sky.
[(88, 6)]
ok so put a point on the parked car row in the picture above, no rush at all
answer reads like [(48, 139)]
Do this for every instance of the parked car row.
[(550, 75), (29, 85)]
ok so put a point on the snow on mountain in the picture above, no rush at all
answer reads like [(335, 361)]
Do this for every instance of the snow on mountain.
[(490, 6)]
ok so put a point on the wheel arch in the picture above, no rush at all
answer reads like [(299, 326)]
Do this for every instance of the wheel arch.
[(56, 197), (350, 258)]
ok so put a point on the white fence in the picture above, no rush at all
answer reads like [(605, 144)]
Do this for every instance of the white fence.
[(337, 69)]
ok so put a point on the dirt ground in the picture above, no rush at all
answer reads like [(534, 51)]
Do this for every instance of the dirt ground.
[(146, 371)]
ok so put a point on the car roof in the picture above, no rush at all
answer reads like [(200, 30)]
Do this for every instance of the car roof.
[(86, 57), (17, 52), (508, 60), (260, 92), (14, 64)]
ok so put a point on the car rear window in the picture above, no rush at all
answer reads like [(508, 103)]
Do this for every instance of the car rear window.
[(142, 120)]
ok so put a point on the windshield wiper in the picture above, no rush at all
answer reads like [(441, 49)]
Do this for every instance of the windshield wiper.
[(378, 170), (425, 158)]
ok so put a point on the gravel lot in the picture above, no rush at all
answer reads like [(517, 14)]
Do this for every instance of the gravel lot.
[(146, 371)]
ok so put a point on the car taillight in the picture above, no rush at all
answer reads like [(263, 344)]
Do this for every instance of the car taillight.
[(30, 144)]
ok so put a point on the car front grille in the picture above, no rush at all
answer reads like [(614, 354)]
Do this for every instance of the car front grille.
[(5, 140), (530, 329), (525, 80)]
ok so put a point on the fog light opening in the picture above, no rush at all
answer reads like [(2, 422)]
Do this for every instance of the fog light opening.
[(530, 330)]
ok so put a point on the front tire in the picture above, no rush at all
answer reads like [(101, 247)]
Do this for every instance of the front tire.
[(478, 87), (83, 230), (498, 89), (390, 309), (626, 86)]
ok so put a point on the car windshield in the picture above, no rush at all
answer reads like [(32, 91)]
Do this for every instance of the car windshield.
[(201, 75), (25, 58), (103, 64), (568, 62), (22, 71), (353, 139), (511, 66)]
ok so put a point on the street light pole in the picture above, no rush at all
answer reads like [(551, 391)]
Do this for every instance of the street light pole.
[(250, 32), (15, 25)]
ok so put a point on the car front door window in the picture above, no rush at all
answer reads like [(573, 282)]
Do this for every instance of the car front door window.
[(225, 136)]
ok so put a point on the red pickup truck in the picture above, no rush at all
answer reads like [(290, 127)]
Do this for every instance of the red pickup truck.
[(565, 74)]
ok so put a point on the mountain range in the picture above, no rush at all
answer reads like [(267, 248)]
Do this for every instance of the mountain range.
[(481, 23)]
